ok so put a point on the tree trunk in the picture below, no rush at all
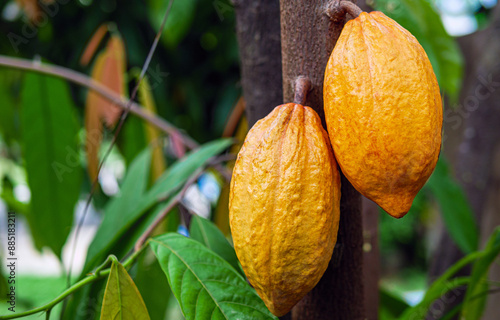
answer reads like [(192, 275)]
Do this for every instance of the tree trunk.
[(476, 153), (307, 39), (371, 258), (371, 250), (258, 30)]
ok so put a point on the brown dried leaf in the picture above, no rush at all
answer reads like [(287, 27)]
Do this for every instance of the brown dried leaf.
[(109, 69), (93, 123), (32, 8), (93, 44), (112, 76)]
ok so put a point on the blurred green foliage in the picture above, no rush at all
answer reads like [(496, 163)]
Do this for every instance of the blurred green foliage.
[(194, 72)]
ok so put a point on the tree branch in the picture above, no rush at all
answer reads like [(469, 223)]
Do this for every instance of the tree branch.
[(105, 92), (98, 274)]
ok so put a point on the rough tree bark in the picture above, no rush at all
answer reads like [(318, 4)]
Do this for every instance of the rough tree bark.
[(371, 258), (474, 147), (371, 251), (307, 39), (258, 30)]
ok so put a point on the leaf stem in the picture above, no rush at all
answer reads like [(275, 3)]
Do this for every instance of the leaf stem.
[(336, 10), (104, 264), (302, 88), (61, 297), (350, 8)]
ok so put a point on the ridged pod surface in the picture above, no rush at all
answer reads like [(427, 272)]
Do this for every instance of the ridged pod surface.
[(383, 111), (284, 205)]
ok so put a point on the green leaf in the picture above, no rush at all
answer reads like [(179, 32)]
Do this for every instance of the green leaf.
[(179, 20), (455, 209), (7, 193), (112, 228), (475, 299), (420, 18), (207, 233), (451, 314), (132, 139), (435, 292), (49, 130), (132, 189), (148, 275), (152, 285), (205, 285), (4, 288), (441, 286), (86, 303), (9, 80), (122, 300), (391, 305)]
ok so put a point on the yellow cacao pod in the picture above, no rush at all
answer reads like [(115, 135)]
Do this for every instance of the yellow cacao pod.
[(284, 205), (383, 111)]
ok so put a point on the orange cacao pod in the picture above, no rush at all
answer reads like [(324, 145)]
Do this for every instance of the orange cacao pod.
[(383, 111), (284, 205)]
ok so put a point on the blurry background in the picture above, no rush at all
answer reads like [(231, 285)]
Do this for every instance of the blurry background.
[(195, 81)]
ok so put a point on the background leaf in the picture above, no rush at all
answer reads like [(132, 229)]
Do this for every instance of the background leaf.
[(205, 285), (113, 77), (153, 135), (391, 306), (117, 222), (132, 140), (455, 209), (49, 130), (9, 128), (108, 69), (178, 22), (93, 44), (133, 187), (152, 285), (441, 286), (121, 299), (93, 124), (420, 18), (476, 295), (205, 232)]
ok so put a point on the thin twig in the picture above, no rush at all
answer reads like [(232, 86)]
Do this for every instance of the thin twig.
[(103, 91), (80, 284)]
